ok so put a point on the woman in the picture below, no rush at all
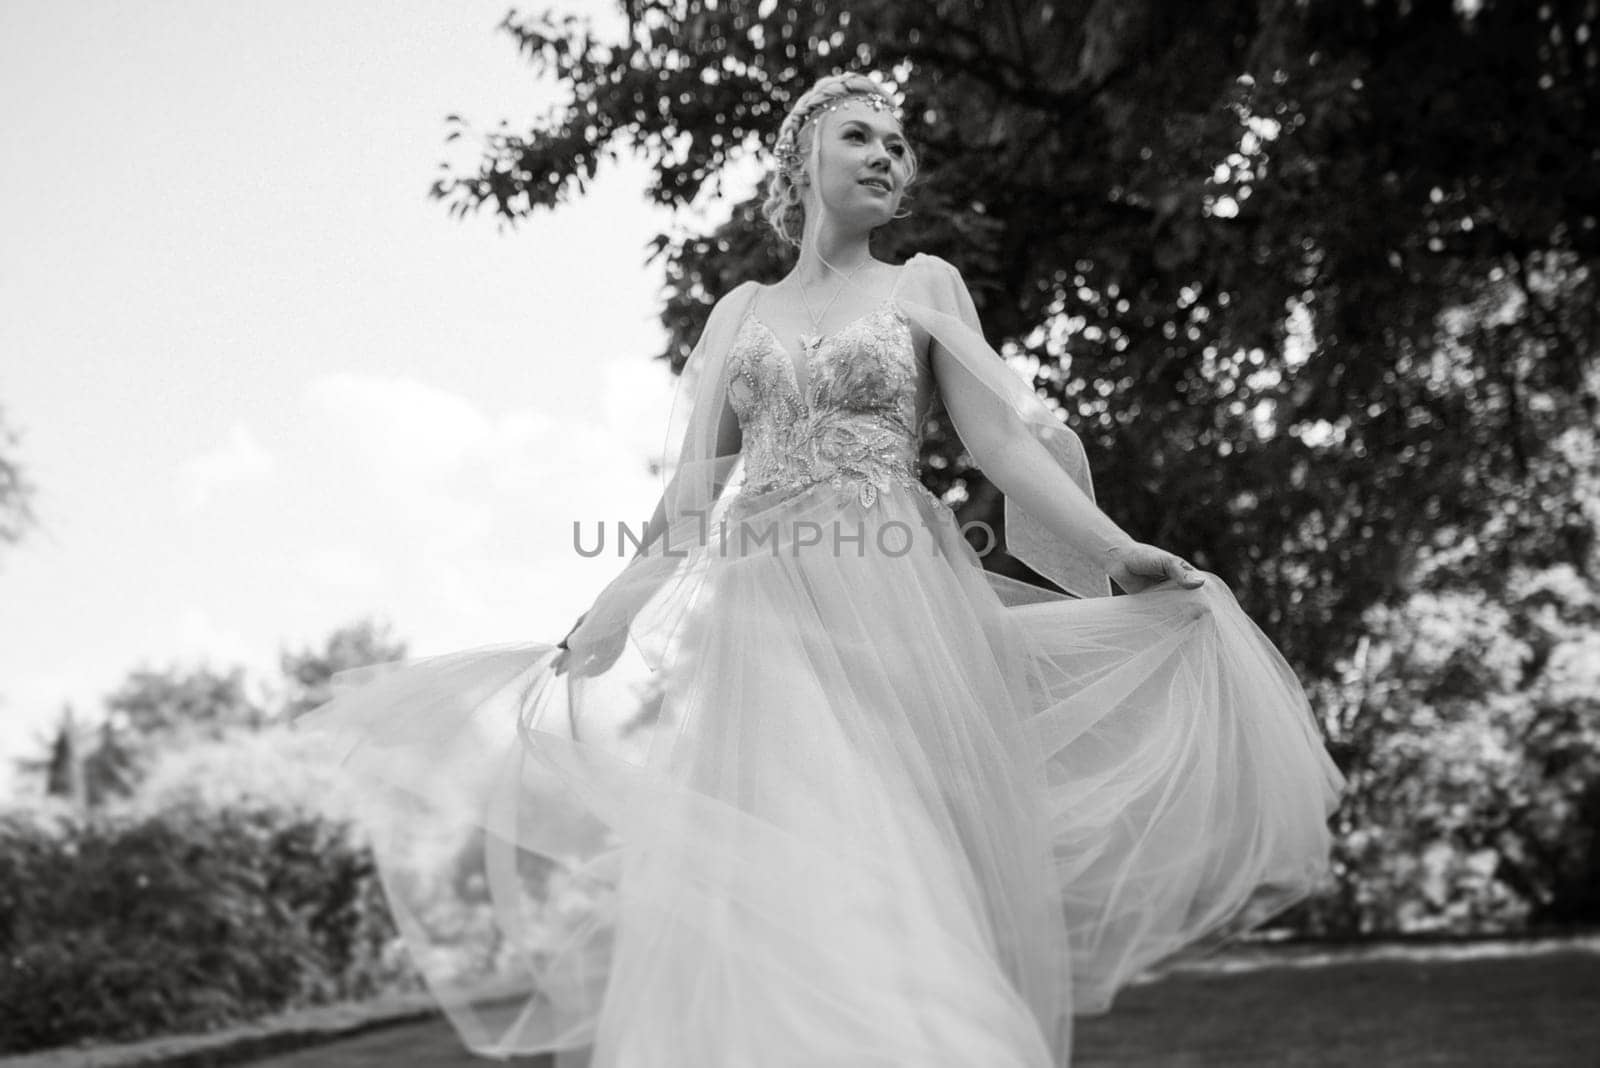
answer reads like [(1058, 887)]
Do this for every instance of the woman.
[(806, 785)]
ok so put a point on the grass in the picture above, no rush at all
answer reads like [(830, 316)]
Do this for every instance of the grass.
[(1533, 1010), (1505, 1012)]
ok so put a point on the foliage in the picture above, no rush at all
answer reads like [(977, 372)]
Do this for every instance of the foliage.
[(149, 713), (1228, 233), (275, 767), (201, 701), (16, 492), (194, 864), (309, 672), (155, 714), (1316, 282), (1469, 724), (183, 919), (82, 764)]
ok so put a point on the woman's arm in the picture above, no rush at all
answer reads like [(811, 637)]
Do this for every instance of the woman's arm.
[(730, 441), (1019, 465)]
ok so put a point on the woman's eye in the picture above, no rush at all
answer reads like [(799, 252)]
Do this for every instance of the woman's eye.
[(898, 150)]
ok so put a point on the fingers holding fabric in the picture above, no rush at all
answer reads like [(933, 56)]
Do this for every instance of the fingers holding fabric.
[(1139, 567)]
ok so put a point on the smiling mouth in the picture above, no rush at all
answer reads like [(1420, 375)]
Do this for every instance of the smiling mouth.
[(876, 183)]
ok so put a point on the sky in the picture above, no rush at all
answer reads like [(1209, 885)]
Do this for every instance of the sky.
[(265, 385)]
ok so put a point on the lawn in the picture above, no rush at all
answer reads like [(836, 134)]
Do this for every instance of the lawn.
[(1499, 1012)]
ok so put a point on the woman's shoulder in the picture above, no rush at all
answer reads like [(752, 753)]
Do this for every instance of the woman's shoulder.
[(929, 268), (928, 261), (932, 278), (734, 301), (743, 291)]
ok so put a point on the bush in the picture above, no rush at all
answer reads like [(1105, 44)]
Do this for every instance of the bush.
[(1470, 730), (187, 919)]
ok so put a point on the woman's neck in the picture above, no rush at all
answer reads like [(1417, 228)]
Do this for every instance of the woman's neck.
[(826, 248)]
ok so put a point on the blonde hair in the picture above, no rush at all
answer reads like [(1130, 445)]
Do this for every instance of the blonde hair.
[(784, 208)]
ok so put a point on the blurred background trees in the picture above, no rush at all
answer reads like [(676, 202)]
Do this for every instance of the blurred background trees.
[(185, 860), (309, 673), (16, 492), (159, 715)]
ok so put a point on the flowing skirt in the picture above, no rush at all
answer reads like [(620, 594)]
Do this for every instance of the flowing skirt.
[(845, 799)]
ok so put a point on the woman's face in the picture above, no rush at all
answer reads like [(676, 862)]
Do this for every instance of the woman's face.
[(863, 165)]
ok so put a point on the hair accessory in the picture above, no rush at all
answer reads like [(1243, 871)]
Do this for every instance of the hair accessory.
[(796, 122)]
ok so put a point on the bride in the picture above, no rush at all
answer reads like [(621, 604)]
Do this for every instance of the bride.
[(806, 785)]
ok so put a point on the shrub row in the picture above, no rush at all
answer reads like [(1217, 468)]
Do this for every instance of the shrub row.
[(119, 927)]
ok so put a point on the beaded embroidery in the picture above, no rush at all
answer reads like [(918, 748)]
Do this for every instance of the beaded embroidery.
[(856, 422)]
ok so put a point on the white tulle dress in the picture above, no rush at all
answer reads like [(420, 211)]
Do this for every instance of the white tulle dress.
[(844, 798)]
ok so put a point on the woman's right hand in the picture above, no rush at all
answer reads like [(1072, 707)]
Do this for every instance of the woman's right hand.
[(565, 654), (596, 658)]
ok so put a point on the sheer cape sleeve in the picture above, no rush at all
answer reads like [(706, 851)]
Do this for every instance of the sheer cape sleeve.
[(1073, 563), (664, 575)]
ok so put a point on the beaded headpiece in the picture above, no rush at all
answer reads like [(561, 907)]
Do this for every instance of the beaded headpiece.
[(789, 135)]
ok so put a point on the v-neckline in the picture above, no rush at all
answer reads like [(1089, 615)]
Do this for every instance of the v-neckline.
[(800, 362)]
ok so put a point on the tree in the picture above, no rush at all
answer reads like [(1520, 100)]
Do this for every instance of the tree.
[(83, 765), (1293, 269), (61, 767), (1471, 728), (151, 711), (309, 672), (16, 493), (189, 715), (1468, 722), (154, 704)]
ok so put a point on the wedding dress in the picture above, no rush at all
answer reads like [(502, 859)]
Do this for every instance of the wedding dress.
[(844, 798)]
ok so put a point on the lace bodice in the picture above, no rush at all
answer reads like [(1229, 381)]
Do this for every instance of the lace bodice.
[(854, 419)]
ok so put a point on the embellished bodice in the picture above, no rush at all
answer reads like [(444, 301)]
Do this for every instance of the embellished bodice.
[(852, 419)]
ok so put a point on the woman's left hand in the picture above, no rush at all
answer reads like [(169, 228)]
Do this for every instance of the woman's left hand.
[(1138, 567)]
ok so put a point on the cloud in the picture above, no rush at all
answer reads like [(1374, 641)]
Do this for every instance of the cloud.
[(469, 511), (241, 458), (407, 430), (436, 451), (344, 567)]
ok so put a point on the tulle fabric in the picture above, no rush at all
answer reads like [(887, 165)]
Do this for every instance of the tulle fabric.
[(839, 801)]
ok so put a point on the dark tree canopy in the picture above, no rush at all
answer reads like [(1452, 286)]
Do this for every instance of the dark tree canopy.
[(1314, 279)]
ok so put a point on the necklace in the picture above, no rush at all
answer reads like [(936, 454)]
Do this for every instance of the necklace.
[(816, 317)]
